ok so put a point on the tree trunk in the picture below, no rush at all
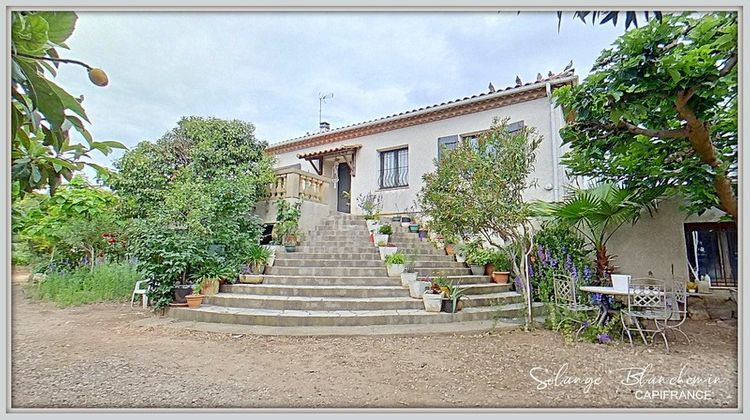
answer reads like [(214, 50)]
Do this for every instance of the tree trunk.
[(602, 262), (700, 140)]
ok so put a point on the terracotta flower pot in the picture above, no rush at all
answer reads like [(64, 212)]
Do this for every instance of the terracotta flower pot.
[(501, 277), (210, 287), (194, 301), (488, 269), (449, 249)]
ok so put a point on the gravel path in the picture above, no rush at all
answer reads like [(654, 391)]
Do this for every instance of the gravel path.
[(94, 356)]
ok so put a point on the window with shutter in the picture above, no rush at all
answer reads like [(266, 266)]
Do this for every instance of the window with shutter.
[(446, 144)]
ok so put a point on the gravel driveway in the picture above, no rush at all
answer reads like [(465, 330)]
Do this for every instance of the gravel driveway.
[(94, 356)]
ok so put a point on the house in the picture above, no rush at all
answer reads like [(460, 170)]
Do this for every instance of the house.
[(389, 155)]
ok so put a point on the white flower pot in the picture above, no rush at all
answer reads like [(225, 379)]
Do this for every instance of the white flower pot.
[(380, 238), (460, 258), (408, 277), (432, 302), (417, 288), (386, 251), (394, 270)]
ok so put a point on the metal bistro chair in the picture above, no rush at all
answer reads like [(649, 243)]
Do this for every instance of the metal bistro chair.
[(566, 298), (677, 307), (647, 301)]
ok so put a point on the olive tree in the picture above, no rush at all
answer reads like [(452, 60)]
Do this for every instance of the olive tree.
[(477, 191)]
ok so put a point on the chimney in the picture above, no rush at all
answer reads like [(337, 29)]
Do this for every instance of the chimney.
[(324, 126)]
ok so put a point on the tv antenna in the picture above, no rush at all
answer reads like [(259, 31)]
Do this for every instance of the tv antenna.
[(321, 99)]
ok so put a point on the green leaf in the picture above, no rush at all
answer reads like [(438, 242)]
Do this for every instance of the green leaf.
[(113, 144), (60, 25), (29, 34)]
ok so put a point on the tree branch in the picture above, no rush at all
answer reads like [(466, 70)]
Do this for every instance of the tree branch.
[(728, 65), (57, 60), (676, 133)]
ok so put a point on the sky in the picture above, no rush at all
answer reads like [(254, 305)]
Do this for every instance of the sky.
[(270, 68)]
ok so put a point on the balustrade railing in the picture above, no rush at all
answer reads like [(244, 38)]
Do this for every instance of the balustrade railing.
[(294, 183)]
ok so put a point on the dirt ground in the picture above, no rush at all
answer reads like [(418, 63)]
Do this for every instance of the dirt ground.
[(93, 356)]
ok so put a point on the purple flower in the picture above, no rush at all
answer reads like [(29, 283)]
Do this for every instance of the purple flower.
[(540, 254), (531, 271), (586, 272), (604, 338), (596, 298), (586, 324), (553, 262), (517, 282)]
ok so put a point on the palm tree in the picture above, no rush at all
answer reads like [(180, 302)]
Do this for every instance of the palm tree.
[(597, 213)]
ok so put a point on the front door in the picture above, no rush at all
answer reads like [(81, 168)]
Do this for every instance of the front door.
[(344, 188)]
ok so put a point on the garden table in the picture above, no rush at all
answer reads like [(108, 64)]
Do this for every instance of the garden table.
[(604, 303)]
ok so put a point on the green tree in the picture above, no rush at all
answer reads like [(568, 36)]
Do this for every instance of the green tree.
[(477, 191), (79, 217), (42, 113), (193, 190), (597, 213), (659, 110)]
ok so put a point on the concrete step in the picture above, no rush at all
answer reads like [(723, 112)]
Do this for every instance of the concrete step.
[(307, 262), (359, 249), (320, 291), (309, 280), (372, 262), (433, 271), (327, 271), (315, 303), (371, 255), (309, 303), (484, 288), (275, 317)]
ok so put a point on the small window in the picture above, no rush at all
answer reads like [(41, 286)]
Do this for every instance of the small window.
[(446, 144), (394, 168)]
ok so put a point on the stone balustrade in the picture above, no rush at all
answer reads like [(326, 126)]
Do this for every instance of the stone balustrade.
[(294, 183)]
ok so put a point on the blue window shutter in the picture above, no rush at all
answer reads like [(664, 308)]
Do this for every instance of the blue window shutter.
[(447, 143), (513, 127)]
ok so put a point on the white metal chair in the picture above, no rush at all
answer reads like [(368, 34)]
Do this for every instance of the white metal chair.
[(677, 307), (140, 290), (647, 301), (566, 298)]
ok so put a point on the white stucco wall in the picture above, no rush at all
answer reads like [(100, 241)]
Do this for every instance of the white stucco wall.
[(422, 142), (656, 244)]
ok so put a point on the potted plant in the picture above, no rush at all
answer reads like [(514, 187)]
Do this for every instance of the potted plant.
[(452, 299), (394, 264), (502, 265), (370, 204), (195, 299), (476, 259), (450, 244), (384, 233), (257, 257), (180, 291), (417, 288), (692, 287), (409, 274), (433, 299), (386, 250)]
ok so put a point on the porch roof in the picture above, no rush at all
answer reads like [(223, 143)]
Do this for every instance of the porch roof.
[(348, 152)]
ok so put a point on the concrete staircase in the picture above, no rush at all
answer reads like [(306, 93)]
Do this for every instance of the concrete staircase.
[(336, 279)]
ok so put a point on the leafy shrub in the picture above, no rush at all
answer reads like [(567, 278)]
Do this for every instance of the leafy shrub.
[(385, 230), (106, 282), (371, 204)]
